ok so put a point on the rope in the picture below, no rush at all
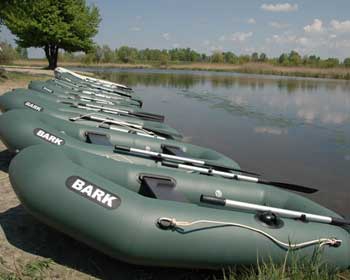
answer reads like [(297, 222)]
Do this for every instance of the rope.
[(168, 223)]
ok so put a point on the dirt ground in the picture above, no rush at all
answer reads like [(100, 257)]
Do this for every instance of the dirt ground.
[(30, 249)]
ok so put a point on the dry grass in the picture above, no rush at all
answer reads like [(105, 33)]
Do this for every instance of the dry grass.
[(264, 68)]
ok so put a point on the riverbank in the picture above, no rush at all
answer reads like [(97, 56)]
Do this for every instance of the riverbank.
[(249, 68), (29, 249)]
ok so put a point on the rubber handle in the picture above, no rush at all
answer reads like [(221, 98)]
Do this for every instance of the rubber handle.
[(340, 221), (170, 164), (213, 200), (122, 148)]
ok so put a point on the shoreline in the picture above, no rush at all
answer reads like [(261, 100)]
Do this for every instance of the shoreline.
[(338, 73), (30, 249)]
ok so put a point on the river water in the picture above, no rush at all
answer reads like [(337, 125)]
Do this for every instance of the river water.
[(287, 129)]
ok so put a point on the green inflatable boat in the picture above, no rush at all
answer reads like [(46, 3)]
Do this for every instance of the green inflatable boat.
[(21, 128), (89, 116), (163, 217)]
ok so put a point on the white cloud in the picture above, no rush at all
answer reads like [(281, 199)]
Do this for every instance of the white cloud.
[(280, 7), (176, 45), (303, 41), (282, 39), (251, 21), (135, 29), (166, 36), (249, 50), (300, 44), (278, 25), (236, 37), (216, 48), (206, 42), (241, 36), (315, 27), (222, 38), (340, 26)]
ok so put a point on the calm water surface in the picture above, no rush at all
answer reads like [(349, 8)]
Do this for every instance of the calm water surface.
[(288, 129)]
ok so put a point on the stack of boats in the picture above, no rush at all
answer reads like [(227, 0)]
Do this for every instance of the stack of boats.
[(93, 164)]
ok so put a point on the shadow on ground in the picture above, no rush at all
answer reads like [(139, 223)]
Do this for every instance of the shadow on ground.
[(28, 234), (5, 158)]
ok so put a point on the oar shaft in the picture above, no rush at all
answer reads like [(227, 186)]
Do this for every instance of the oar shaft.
[(220, 173), (107, 108), (257, 207), (135, 131), (162, 155), (114, 121)]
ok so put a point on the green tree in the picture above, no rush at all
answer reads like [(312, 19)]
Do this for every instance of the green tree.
[(294, 58), (346, 62), (243, 59), (330, 62), (126, 54), (52, 25), (263, 57), (255, 57), (164, 58), (283, 59), (98, 54), (217, 57), (22, 52), (230, 57), (107, 54)]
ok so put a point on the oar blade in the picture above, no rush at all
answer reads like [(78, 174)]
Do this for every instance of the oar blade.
[(292, 187)]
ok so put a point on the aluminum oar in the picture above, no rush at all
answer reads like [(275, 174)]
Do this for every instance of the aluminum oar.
[(279, 211), (239, 177), (164, 156)]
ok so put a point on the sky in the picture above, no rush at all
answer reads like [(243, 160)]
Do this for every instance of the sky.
[(320, 27)]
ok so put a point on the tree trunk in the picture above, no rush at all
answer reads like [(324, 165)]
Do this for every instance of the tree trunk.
[(51, 52)]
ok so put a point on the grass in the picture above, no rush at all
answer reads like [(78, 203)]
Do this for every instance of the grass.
[(36, 270), (293, 268)]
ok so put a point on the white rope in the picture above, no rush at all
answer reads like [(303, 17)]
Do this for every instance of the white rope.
[(322, 241)]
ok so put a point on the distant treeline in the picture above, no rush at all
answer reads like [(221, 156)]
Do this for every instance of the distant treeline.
[(125, 54)]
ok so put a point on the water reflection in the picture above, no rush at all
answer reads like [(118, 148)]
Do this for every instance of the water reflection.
[(289, 129), (187, 79)]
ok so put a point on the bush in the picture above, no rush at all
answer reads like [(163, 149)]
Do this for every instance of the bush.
[(3, 75), (7, 53)]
